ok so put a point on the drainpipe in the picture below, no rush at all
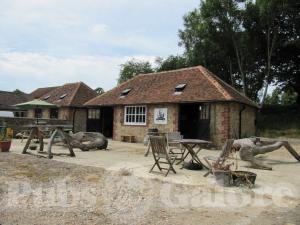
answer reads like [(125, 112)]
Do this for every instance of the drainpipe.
[(240, 121), (74, 113)]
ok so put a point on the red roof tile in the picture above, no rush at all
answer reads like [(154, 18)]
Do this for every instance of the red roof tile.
[(202, 86), (41, 91), (72, 94), (12, 98)]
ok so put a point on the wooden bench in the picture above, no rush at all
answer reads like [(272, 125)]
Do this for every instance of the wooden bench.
[(127, 138)]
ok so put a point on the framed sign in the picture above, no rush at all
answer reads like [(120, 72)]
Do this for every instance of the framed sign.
[(160, 115)]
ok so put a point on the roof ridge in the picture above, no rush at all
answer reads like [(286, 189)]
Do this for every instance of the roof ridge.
[(234, 89), (167, 71), (75, 92), (99, 96), (205, 72), (158, 73)]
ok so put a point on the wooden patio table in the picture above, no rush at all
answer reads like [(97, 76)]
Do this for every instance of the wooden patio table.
[(36, 130), (190, 145)]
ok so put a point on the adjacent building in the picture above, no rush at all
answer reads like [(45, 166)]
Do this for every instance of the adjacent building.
[(70, 99), (9, 99), (193, 101)]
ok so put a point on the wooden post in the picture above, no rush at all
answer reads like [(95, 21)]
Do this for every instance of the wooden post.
[(61, 133), (50, 156), (31, 136), (41, 139)]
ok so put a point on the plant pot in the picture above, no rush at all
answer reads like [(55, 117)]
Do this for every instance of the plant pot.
[(235, 178), (243, 178), (5, 146)]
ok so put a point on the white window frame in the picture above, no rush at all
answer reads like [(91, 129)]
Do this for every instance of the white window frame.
[(135, 114)]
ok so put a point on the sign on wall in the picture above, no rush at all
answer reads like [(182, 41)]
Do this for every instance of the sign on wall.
[(160, 115)]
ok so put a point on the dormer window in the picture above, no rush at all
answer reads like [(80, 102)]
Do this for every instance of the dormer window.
[(125, 93), (63, 96), (179, 88), (47, 97)]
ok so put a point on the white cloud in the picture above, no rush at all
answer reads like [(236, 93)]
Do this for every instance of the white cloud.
[(51, 42), (28, 71), (99, 28)]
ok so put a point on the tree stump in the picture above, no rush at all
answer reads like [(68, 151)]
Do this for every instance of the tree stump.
[(87, 140), (250, 147)]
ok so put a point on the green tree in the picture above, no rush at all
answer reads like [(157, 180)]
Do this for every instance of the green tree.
[(17, 91), (274, 98), (214, 35), (246, 43), (278, 23), (171, 63), (289, 98), (99, 90), (132, 68)]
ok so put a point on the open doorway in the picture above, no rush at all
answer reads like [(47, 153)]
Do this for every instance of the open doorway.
[(194, 121), (101, 120)]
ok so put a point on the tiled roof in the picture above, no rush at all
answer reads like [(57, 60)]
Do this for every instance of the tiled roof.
[(202, 86), (71, 94), (12, 98), (41, 91)]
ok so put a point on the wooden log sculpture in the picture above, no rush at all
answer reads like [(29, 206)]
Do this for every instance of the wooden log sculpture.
[(87, 140), (250, 147)]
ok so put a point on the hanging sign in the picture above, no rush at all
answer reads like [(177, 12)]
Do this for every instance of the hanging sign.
[(160, 115)]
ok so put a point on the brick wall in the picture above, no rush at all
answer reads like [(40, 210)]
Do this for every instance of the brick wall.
[(139, 132), (225, 122), (46, 113), (64, 113), (30, 113)]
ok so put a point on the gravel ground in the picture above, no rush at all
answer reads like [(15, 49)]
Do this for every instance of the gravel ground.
[(41, 191)]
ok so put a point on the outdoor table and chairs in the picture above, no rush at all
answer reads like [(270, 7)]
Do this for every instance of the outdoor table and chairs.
[(193, 147), (172, 147), (36, 130)]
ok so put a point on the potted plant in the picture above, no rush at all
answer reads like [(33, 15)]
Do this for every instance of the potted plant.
[(5, 139)]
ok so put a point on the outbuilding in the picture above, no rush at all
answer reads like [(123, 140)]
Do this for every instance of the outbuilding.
[(192, 100)]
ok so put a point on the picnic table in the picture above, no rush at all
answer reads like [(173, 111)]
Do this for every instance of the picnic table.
[(36, 131), (191, 145)]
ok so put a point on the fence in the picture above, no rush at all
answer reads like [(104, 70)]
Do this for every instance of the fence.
[(17, 124)]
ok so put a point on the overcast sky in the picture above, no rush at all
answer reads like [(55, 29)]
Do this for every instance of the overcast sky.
[(51, 42)]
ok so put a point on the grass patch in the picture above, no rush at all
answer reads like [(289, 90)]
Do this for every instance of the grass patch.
[(93, 178), (289, 133)]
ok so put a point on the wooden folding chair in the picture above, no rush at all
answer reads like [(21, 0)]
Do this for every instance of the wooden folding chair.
[(221, 159), (161, 155), (174, 145)]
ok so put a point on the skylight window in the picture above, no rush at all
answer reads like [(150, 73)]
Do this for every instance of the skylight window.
[(125, 92), (180, 87), (63, 96), (47, 97)]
